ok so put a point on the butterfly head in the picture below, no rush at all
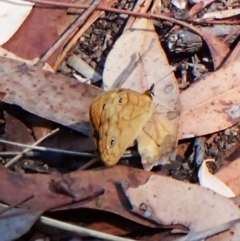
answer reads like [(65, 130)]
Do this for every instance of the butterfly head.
[(150, 91)]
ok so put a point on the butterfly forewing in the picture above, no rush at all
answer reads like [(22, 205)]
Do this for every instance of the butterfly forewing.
[(121, 120)]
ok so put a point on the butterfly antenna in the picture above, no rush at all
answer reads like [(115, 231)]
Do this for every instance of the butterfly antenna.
[(151, 92), (174, 68)]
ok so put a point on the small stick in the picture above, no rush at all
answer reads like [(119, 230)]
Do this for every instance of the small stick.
[(20, 155), (127, 12), (80, 230), (137, 14), (89, 164), (41, 148), (15, 205), (73, 28)]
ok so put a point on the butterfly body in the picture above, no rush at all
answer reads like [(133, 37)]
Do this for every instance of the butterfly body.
[(118, 116)]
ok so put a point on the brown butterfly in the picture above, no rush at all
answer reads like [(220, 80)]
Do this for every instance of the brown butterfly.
[(118, 116)]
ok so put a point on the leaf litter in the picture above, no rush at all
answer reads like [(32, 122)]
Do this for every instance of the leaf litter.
[(208, 106)]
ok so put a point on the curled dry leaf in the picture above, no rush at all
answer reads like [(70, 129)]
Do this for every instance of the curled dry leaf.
[(212, 104), (168, 201), (51, 96), (157, 141), (208, 180)]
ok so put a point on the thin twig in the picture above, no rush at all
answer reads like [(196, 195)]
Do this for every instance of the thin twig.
[(41, 148), (5, 209), (108, 9), (89, 164), (80, 230), (73, 28), (19, 156), (121, 11), (135, 14)]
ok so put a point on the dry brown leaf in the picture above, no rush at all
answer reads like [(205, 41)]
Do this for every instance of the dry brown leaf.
[(168, 201), (82, 184), (212, 104), (51, 96), (157, 142), (45, 188)]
